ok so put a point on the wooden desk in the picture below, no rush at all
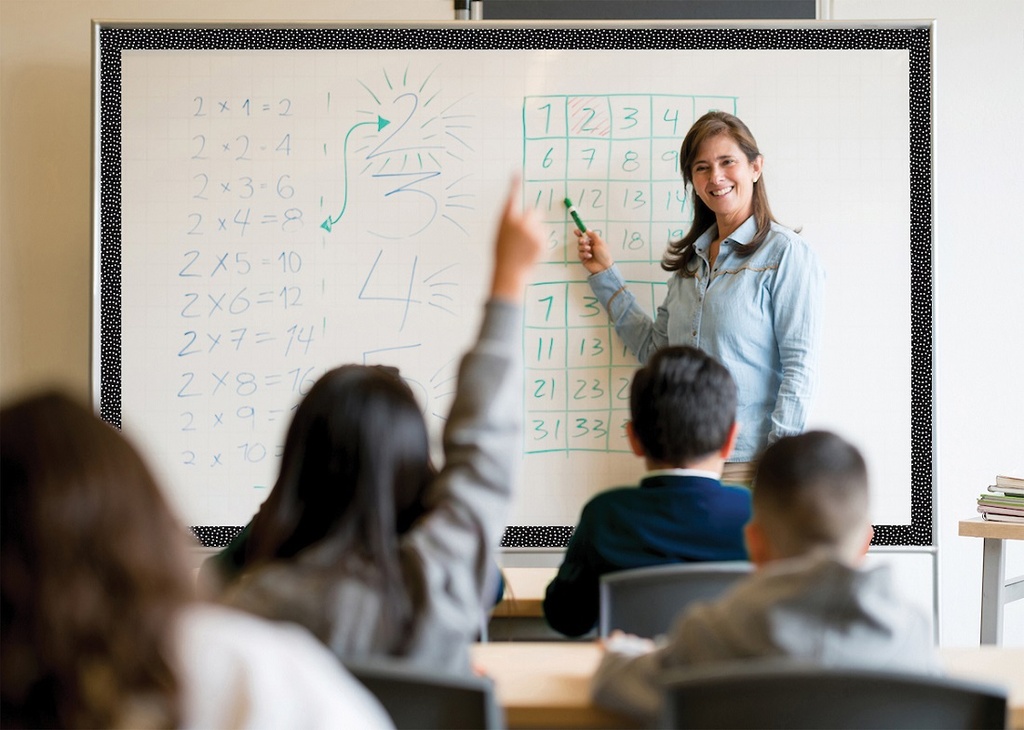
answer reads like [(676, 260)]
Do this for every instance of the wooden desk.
[(547, 684), (996, 589)]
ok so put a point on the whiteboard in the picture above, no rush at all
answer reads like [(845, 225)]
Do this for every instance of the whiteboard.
[(273, 202)]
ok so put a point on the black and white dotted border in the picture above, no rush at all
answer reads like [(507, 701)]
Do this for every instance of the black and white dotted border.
[(917, 40), (217, 536)]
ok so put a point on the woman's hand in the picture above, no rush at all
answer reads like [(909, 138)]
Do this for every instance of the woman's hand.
[(592, 251)]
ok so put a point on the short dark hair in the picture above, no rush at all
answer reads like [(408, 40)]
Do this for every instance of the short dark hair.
[(683, 403), (811, 490)]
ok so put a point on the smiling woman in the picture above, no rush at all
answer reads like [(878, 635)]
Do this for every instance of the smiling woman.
[(744, 288)]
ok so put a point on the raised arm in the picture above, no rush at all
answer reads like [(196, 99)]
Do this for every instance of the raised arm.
[(516, 249), (468, 500)]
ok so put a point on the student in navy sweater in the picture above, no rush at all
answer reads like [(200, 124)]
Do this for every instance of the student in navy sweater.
[(683, 410)]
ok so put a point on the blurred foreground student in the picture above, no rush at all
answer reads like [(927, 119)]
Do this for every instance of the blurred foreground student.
[(100, 627), (683, 408), (808, 598), (360, 540)]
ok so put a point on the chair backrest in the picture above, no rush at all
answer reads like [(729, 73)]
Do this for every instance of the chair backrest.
[(645, 601), (781, 694), (428, 700)]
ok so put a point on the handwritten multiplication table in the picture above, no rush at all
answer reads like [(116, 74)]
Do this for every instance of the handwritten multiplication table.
[(617, 157)]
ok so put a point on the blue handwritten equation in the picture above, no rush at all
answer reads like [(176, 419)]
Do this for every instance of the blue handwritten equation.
[(247, 291), (310, 229)]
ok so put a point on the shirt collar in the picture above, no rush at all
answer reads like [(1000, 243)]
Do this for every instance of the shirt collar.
[(742, 235), (683, 473)]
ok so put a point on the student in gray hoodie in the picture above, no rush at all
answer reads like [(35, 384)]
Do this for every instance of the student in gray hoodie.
[(809, 598)]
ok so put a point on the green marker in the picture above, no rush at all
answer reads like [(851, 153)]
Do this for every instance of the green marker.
[(575, 216)]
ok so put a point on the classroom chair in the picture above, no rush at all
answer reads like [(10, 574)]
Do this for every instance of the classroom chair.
[(777, 693), (646, 601), (428, 700)]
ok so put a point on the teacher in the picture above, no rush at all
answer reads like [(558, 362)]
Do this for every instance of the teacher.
[(745, 289)]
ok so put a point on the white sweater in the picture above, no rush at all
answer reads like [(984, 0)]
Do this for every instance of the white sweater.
[(240, 671)]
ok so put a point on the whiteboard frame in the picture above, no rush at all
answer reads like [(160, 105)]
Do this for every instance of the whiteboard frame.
[(916, 36)]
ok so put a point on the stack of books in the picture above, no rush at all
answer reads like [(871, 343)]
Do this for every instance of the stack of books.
[(1004, 500)]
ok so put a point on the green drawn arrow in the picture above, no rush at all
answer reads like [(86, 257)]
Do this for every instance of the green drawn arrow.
[(329, 221)]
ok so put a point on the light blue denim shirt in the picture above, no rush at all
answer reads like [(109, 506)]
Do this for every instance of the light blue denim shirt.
[(759, 315)]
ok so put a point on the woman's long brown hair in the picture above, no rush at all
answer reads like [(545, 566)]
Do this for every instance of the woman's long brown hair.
[(93, 574)]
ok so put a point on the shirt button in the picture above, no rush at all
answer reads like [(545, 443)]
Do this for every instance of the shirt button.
[(695, 333)]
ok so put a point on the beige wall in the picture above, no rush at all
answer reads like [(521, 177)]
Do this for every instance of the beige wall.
[(45, 204)]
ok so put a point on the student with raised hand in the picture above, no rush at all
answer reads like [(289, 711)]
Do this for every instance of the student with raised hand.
[(100, 625), (745, 289), (808, 599), (683, 409), (360, 540)]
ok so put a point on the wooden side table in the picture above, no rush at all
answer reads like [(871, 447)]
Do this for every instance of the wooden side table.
[(996, 589)]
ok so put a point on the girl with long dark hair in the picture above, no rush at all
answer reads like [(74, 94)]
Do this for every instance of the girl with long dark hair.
[(360, 540)]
